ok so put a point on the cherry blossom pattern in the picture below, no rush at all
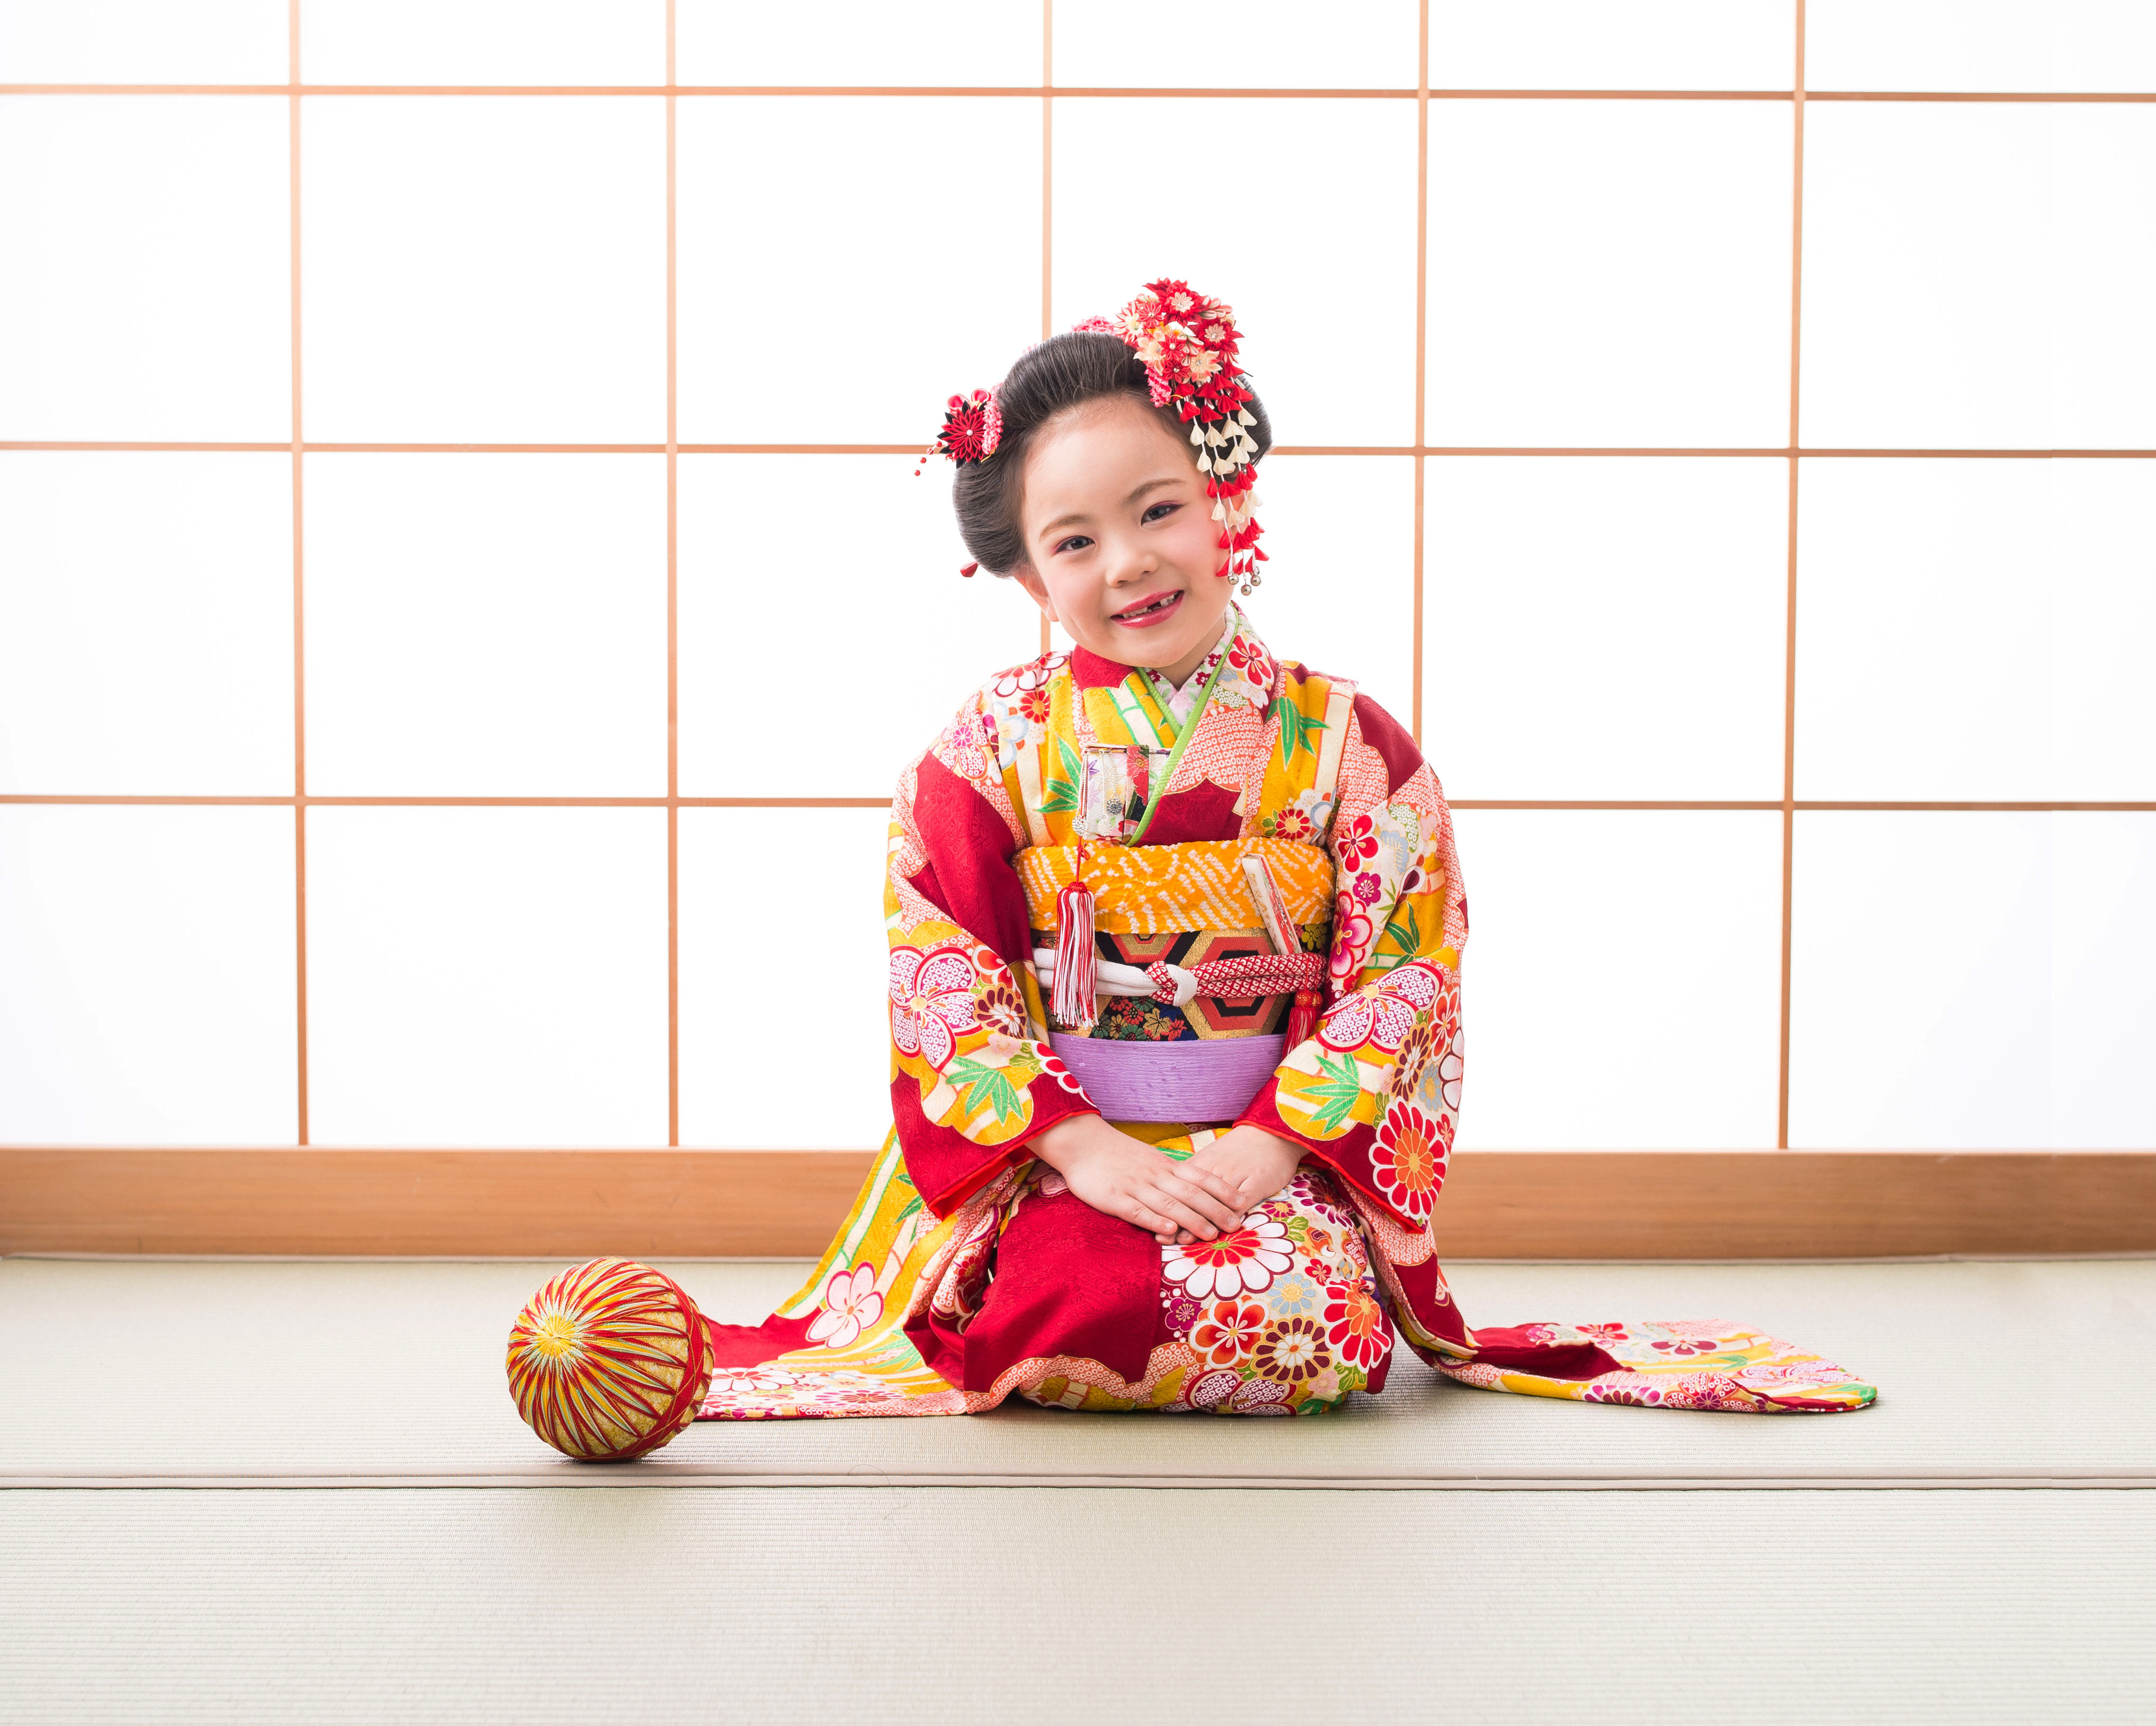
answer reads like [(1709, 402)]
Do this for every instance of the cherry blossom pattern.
[(1241, 1262), (1030, 679), (1352, 932), (851, 1303), (1408, 1159), (1356, 1327), (1381, 1016), (1247, 654), (931, 1001), (1354, 843), (1228, 1331)]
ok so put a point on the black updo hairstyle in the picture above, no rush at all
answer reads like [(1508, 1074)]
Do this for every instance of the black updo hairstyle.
[(1063, 372)]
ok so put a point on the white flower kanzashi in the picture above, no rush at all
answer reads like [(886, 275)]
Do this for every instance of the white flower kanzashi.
[(851, 1303)]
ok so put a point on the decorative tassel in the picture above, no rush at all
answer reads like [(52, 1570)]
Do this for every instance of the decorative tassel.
[(1302, 1017), (1073, 1000)]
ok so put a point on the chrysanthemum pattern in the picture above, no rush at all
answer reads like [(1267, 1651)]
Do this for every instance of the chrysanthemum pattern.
[(1285, 1324)]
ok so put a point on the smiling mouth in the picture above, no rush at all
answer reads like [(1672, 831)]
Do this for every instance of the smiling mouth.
[(1157, 607)]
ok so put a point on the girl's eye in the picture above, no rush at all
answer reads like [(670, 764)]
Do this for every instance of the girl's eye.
[(1160, 512), (1076, 542)]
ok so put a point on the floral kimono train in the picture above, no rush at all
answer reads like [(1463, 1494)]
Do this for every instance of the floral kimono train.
[(1300, 847)]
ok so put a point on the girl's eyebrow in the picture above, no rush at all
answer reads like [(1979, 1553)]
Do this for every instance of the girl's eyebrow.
[(1079, 516)]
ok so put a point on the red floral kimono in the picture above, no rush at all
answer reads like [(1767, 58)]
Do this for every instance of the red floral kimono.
[(1298, 824)]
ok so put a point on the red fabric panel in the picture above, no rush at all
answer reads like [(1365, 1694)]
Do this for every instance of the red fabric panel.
[(751, 1344), (1090, 671), (969, 851), (1511, 1348), (947, 1166), (1347, 1156), (1068, 1280), (1391, 740), (1205, 811), (1435, 1311)]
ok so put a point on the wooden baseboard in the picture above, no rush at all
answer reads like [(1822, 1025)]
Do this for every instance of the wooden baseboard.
[(565, 1204)]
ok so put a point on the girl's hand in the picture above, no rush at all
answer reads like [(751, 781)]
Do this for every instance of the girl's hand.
[(1254, 1163), (1115, 1174)]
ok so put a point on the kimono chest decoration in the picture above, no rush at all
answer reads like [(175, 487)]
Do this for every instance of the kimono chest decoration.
[(609, 1360)]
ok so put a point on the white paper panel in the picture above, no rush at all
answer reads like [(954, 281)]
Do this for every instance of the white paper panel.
[(489, 268), (1926, 314), (1599, 628), (1920, 981), (143, 42), (1325, 223), (2103, 954), (1622, 978), (147, 290), (1980, 44), (148, 981), (2101, 247), (1338, 592), (487, 976), (2102, 590), (1262, 44), (483, 42), (487, 625), (1921, 624), (785, 1032), (1595, 44), (146, 623), (861, 42), (825, 635), (1609, 273), (837, 280)]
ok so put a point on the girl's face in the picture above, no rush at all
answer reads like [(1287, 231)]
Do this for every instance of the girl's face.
[(1122, 548)]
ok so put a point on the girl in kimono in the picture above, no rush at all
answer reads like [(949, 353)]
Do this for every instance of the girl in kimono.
[(1175, 929)]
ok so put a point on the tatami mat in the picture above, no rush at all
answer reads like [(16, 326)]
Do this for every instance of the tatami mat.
[(126, 1372), (937, 1606)]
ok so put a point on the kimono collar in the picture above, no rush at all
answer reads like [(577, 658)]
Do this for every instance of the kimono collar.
[(1247, 679)]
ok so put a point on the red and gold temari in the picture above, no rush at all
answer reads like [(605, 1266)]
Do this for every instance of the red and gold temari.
[(609, 1360)]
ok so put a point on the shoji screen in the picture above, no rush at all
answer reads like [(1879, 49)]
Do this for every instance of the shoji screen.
[(464, 597)]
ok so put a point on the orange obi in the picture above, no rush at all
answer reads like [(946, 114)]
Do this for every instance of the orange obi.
[(1186, 905)]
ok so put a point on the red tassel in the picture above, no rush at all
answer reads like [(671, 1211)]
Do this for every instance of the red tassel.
[(1302, 1017), (1074, 997)]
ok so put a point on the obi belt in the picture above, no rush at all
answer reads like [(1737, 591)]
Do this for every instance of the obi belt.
[(1210, 957)]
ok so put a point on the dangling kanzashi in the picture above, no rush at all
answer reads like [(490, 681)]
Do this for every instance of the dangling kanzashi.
[(1187, 341)]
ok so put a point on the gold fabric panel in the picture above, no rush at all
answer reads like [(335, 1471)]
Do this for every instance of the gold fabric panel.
[(1174, 890)]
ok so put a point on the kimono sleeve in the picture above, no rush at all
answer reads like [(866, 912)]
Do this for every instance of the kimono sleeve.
[(972, 1077), (1375, 1093)]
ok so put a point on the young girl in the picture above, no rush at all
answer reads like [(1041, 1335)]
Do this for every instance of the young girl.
[(1175, 930)]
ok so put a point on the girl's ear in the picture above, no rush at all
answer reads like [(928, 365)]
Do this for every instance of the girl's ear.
[(1025, 576)]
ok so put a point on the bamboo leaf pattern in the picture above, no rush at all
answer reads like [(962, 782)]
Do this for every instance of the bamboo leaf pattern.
[(1295, 729)]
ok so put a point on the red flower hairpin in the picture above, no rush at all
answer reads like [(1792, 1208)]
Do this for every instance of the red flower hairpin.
[(972, 426)]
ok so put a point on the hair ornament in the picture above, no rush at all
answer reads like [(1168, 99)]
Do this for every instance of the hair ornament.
[(972, 426), (1189, 342)]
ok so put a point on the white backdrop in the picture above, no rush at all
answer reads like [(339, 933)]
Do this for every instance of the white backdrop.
[(393, 393)]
